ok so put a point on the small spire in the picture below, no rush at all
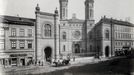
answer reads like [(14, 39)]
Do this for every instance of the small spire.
[(74, 16), (56, 11), (37, 7), (17, 15)]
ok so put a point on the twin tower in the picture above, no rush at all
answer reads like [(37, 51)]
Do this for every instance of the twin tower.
[(89, 9)]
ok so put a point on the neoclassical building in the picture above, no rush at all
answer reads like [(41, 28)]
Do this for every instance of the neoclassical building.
[(113, 35)]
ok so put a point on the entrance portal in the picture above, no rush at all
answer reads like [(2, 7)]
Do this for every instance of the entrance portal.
[(77, 48), (48, 53), (107, 51)]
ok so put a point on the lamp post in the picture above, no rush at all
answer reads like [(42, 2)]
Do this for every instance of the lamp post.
[(59, 40), (37, 10), (55, 32), (112, 36)]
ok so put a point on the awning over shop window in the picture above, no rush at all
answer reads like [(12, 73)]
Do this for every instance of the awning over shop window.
[(18, 55)]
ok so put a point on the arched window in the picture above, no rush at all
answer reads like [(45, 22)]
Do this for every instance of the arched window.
[(47, 30), (64, 48), (107, 34), (64, 36)]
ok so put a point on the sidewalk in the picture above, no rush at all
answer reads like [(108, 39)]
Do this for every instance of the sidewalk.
[(48, 68)]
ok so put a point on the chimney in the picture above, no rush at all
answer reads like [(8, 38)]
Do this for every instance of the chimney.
[(19, 17), (104, 16), (74, 16), (127, 19)]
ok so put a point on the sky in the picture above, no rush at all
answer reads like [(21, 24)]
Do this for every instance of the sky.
[(117, 9)]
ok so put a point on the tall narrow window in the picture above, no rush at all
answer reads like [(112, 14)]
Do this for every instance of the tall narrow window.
[(98, 33), (22, 44), (13, 32), (13, 44), (90, 35), (64, 36), (64, 48), (90, 47), (29, 43), (47, 30), (2, 32), (29, 32), (22, 32), (91, 11), (64, 10), (107, 34), (1, 44)]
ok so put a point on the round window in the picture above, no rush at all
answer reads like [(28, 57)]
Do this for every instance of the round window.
[(76, 34)]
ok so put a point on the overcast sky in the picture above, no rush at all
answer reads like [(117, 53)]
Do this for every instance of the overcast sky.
[(118, 9)]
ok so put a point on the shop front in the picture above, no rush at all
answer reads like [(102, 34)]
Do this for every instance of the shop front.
[(3, 60), (17, 60)]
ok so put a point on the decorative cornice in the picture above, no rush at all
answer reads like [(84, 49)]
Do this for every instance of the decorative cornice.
[(45, 13)]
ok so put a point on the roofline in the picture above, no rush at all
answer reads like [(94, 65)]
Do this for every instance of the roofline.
[(46, 13), (17, 17), (4, 19), (114, 21)]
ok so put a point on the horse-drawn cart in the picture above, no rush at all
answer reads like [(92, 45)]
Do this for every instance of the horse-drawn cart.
[(61, 62)]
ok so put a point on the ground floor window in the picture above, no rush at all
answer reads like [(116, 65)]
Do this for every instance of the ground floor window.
[(64, 48), (14, 62)]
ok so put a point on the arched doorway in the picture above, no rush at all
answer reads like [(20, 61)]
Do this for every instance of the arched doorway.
[(48, 54), (77, 48), (107, 51)]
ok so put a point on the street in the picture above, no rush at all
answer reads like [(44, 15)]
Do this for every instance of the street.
[(112, 66), (123, 66)]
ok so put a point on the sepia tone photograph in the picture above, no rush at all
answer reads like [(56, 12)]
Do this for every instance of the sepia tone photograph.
[(66, 37)]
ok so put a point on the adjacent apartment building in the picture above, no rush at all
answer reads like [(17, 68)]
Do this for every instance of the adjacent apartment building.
[(16, 40)]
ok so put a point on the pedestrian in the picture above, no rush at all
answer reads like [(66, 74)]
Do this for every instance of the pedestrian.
[(39, 63), (73, 58), (42, 63)]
